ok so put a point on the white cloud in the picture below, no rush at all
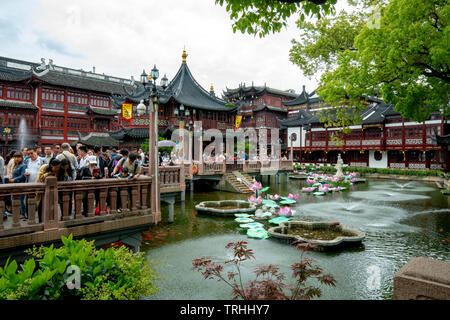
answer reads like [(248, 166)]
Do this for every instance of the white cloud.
[(121, 38)]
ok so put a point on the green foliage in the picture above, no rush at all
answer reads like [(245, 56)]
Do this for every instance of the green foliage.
[(145, 146), (114, 273), (403, 172), (322, 40), (261, 17), (404, 55)]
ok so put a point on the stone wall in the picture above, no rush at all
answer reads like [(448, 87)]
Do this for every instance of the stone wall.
[(423, 279)]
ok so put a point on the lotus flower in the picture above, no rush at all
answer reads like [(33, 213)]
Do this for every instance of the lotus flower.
[(253, 199), (353, 179), (274, 197), (352, 174), (303, 172), (256, 186), (295, 171), (303, 168), (326, 185), (293, 196), (285, 212), (308, 189), (310, 181), (315, 175), (323, 189)]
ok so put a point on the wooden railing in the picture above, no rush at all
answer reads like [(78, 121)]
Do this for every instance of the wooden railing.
[(170, 179), (113, 199), (213, 168), (252, 166)]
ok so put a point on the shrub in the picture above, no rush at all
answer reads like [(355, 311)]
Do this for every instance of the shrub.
[(269, 282), (111, 274)]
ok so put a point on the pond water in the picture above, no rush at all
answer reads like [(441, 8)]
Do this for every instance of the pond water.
[(401, 220)]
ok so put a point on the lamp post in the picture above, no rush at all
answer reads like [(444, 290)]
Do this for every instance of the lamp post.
[(153, 145)]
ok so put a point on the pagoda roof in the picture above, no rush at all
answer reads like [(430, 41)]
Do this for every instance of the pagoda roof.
[(183, 89), (243, 89), (304, 117), (304, 98)]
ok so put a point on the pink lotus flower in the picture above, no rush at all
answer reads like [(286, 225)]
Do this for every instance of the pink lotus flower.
[(253, 199), (293, 196), (295, 171), (352, 174), (326, 185), (303, 168), (303, 172), (315, 175), (308, 189), (285, 212), (323, 189), (353, 179), (274, 197), (256, 186), (310, 181)]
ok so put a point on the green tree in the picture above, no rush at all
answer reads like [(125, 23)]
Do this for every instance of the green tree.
[(261, 17), (399, 49)]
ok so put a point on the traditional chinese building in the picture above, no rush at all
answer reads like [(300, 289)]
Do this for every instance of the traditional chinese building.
[(182, 102), (384, 139), (261, 107), (45, 104)]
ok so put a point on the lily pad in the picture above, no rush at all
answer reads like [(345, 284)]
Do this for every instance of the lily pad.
[(244, 220), (319, 193), (251, 225), (241, 215), (289, 201), (270, 203), (279, 220), (259, 233), (264, 189)]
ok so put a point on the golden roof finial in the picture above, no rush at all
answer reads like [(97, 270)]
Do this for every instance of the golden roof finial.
[(184, 55), (212, 88)]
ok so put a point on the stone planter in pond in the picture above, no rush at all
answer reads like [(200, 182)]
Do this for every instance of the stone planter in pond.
[(225, 207), (291, 230)]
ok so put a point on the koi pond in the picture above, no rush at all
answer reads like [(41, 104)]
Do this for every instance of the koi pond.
[(400, 220)]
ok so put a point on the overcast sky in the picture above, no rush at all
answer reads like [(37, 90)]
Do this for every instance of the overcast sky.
[(121, 38)]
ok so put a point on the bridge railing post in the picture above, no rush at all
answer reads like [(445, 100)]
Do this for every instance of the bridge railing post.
[(50, 203)]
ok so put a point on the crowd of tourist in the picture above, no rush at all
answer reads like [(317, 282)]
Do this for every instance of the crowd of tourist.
[(34, 165)]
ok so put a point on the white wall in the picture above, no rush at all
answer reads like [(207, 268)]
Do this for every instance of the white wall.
[(383, 163)]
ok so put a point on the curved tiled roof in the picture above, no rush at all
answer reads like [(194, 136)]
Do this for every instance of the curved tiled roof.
[(17, 104), (184, 89), (258, 90)]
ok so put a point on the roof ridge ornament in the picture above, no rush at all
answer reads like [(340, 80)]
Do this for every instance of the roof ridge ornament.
[(184, 55)]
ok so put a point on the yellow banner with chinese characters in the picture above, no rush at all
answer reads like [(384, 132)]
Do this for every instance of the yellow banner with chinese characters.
[(127, 111), (238, 122)]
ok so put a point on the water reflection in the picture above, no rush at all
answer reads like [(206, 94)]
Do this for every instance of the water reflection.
[(413, 220)]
